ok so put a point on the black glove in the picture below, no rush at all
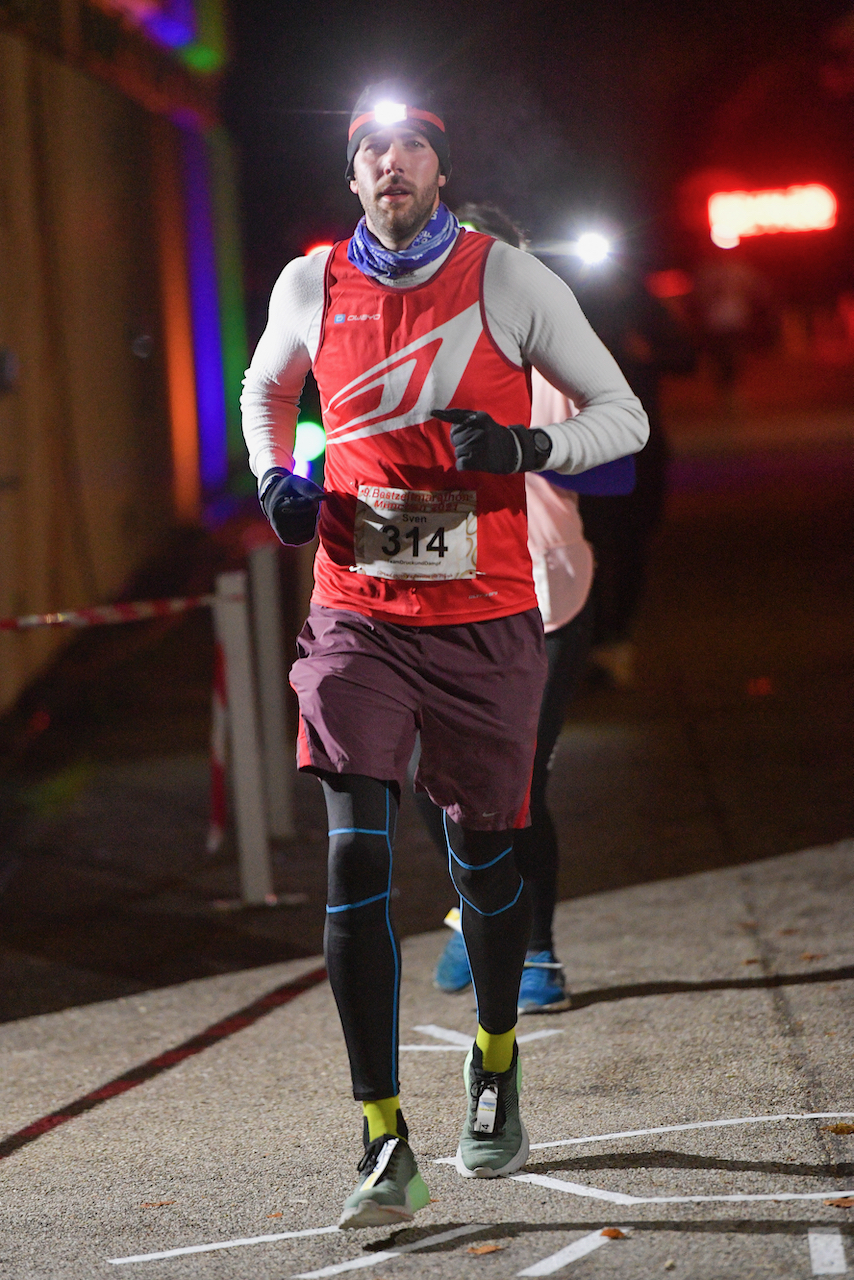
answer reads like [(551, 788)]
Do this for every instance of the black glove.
[(291, 504), (482, 444)]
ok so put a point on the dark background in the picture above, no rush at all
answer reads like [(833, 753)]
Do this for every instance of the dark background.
[(563, 113)]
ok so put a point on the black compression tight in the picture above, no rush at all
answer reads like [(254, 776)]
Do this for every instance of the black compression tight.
[(362, 952), (359, 942), (495, 914)]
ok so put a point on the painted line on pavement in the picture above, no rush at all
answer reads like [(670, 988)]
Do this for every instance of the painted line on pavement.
[(223, 1244), (457, 1040), (373, 1258), (432, 1048), (699, 1124), (572, 1252), (827, 1253), (617, 1197), (138, 1075), (539, 1035), (442, 1033), (676, 1128)]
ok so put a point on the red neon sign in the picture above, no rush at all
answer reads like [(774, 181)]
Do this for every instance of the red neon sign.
[(733, 214)]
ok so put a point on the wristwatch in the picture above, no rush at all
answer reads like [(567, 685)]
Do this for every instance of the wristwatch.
[(542, 447)]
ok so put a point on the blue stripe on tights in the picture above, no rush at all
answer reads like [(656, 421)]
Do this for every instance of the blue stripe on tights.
[(350, 831), (394, 1030), (500, 909), (351, 906), (478, 866)]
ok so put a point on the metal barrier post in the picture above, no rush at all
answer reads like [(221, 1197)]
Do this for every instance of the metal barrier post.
[(279, 761), (231, 617)]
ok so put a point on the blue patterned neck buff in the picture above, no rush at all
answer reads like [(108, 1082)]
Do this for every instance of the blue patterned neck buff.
[(366, 252)]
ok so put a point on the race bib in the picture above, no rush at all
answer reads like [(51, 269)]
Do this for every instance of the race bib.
[(416, 534)]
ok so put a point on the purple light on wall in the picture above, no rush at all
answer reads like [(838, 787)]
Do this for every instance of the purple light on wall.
[(204, 302), (175, 25)]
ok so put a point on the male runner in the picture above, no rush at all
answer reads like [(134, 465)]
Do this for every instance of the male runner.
[(423, 615)]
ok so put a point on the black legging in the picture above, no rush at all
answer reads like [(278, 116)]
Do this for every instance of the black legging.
[(536, 846), (361, 948)]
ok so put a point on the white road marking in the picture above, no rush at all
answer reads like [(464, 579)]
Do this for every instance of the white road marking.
[(578, 1249), (442, 1033), (678, 1128), (457, 1040), (223, 1244), (617, 1197), (433, 1048), (699, 1124), (575, 1188), (827, 1253), (372, 1258), (539, 1035)]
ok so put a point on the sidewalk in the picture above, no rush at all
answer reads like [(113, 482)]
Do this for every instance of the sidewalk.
[(722, 996)]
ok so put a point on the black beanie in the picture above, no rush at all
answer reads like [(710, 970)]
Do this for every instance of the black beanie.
[(416, 110)]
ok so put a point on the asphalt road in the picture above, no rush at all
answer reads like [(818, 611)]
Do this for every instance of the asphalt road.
[(699, 1098), (706, 821)]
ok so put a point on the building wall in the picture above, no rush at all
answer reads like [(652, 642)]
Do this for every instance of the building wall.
[(85, 471)]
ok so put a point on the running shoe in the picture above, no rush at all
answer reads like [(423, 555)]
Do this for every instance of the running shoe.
[(452, 971), (494, 1141), (543, 985), (391, 1191)]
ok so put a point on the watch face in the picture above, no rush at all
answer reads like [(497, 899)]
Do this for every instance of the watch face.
[(542, 443)]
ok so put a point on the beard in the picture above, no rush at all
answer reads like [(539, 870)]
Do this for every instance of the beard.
[(399, 224)]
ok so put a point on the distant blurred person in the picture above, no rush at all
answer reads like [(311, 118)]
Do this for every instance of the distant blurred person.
[(647, 341), (733, 310)]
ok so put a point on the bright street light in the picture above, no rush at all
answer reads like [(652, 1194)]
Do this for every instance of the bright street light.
[(592, 248)]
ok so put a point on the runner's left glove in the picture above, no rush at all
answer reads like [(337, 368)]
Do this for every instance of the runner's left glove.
[(482, 444), (291, 504)]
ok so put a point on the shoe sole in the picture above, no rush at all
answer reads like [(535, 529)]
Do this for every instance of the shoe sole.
[(371, 1214), (554, 1006), (485, 1171)]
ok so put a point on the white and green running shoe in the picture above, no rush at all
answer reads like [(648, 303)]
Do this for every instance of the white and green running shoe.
[(494, 1141), (391, 1191)]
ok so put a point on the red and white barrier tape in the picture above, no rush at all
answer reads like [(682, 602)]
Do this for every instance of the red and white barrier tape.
[(99, 614)]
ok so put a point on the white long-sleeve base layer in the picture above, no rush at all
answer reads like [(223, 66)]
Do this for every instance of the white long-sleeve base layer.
[(534, 319)]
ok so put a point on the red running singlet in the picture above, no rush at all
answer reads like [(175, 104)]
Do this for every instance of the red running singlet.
[(405, 536)]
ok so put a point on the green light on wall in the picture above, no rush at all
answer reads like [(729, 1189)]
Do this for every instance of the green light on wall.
[(310, 442), (200, 57)]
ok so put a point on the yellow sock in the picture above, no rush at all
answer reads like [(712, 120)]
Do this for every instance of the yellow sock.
[(382, 1117), (497, 1050)]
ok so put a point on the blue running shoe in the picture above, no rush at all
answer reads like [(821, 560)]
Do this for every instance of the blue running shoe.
[(452, 971), (543, 985)]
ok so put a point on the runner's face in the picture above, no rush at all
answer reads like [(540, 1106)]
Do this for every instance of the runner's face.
[(397, 178)]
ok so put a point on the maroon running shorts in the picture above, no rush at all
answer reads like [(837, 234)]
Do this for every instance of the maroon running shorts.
[(366, 688)]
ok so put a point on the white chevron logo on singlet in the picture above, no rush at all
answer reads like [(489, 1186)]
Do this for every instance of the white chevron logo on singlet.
[(402, 389)]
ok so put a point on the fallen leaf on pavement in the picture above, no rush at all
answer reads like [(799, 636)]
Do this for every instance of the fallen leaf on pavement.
[(810, 955), (486, 1248), (613, 1233), (844, 1202), (156, 1204), (753, 961), (837, 1128), (274, 1215)]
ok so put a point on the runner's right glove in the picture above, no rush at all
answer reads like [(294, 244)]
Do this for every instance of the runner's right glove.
[(291, 504)]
